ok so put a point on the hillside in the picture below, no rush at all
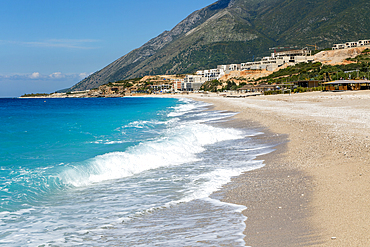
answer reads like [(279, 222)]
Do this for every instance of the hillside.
[(335, 57), (235, 31)]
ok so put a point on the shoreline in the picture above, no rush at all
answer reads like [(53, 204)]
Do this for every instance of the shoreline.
[(270, 190), (313, 190)]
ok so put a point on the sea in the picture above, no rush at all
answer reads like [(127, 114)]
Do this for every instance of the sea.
[(134, 171)]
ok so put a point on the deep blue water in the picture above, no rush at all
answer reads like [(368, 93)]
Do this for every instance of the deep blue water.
[(119, 171)]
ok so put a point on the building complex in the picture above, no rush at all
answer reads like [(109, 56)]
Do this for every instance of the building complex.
[(276, 60), (351, 44), (270, 63)]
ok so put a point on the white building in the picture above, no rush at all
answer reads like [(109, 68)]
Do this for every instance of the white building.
[(278, 59), (177, 84), (234, 67), (363, 42), (211, 74), (192, 82), (351, 44), (162, 87), (339, 46), (230, 67)]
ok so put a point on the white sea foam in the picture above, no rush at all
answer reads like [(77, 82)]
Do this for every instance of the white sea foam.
[(213, 181), (189, 106), (178, 145), (108, 142), (142, 124)]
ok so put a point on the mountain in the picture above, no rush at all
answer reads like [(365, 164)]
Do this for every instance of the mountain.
[(235, 31)]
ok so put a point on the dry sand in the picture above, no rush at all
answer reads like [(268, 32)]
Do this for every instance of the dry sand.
[(315, 189)]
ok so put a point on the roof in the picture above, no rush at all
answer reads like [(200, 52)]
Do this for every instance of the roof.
[(289, 84), (347, 82), (295, 82)]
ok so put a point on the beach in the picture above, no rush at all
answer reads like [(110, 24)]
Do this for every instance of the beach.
[(314, 189), (295, 166)]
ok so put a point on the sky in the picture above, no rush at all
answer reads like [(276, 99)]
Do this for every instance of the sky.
[(48, 45)]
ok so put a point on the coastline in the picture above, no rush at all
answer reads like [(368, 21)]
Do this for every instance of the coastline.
[(314, 188)]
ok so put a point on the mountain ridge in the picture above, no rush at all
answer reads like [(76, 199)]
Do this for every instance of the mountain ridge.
[(234, 31)]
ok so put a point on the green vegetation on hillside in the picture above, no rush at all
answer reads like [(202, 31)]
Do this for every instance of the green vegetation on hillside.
[(317, 71), (225, 33), (364, 57), (125, 83), (303, 72), (209, 56), (314, 52), (35, 95), (214, 86), (211, 85), (301, 22)]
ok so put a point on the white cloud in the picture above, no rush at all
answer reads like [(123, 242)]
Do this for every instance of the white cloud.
[(43, 77), (35, 75), (64, 43), (57, 75), (84, 75), (57, 43)]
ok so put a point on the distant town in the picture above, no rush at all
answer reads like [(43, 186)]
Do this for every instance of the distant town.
[(243, 77)]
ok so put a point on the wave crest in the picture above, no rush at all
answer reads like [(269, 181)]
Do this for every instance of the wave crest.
[(178, 145)]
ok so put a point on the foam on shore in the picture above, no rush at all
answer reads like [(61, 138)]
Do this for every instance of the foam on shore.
[(313, 189)]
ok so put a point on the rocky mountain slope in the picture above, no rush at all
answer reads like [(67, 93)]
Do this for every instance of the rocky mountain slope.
[(234, 31)]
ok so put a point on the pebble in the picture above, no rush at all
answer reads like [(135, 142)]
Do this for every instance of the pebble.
[(333, 238)]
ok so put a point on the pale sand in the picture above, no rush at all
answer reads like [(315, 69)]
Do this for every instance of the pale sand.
[(315, 189)]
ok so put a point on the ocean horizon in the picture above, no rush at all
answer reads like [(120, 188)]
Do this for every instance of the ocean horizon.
[(123, 171)]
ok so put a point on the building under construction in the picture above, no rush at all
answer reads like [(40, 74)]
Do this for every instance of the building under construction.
[(351, 44), (278, 59)]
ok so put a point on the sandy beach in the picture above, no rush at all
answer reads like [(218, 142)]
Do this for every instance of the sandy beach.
[(315, 188)]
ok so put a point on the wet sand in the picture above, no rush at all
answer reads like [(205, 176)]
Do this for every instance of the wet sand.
[(315, 188)]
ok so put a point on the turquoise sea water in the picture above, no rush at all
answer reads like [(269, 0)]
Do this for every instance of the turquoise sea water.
[(126, 172)]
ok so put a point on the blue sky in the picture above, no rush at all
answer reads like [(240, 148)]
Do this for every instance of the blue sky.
[(47, 45)]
